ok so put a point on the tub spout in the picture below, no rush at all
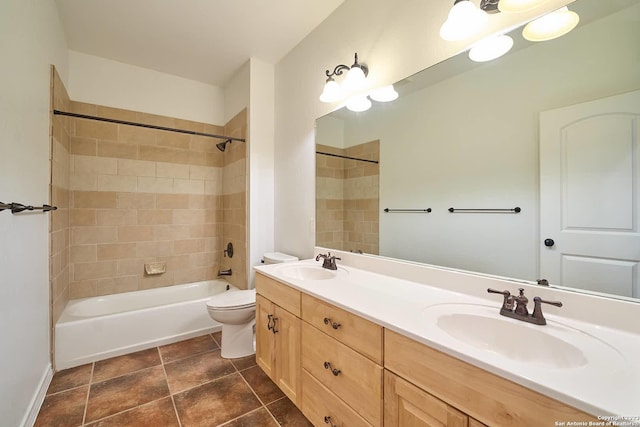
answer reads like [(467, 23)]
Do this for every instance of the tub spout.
[(224, 272)]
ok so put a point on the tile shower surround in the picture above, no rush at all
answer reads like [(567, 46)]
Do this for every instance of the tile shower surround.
[(182, 384), (347, 204), (130, 195)]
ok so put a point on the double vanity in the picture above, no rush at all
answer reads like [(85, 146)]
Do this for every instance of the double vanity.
[(376, 342)]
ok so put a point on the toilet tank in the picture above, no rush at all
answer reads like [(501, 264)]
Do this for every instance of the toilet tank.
[(278, 257)]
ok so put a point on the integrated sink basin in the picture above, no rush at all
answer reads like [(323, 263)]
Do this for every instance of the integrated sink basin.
[(554, 345), (309, 272)]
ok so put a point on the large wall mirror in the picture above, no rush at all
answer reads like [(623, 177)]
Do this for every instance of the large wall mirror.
[(551, 128)]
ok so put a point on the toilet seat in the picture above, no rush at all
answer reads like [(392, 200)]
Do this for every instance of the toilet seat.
[(233, 300)]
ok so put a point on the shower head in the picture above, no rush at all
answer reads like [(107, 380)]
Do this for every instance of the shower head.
[(223, 145)]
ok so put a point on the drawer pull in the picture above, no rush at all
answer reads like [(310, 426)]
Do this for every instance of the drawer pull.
[(334, 371), (328, 420), (328, 321), (270, 317), (275, 319)]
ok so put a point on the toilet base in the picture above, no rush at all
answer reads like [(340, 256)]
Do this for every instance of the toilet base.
[(238, 340)]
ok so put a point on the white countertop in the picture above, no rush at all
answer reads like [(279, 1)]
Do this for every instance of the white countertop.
[(608, 384)]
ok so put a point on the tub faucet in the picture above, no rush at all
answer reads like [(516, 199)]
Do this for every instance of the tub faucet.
[(329, 261), (224, 272)]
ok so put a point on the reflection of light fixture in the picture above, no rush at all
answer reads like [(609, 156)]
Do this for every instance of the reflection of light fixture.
[(491, 48), (354, 81), (384, 94), (358, 103), (519, 5), (550, 26), (464, 20)]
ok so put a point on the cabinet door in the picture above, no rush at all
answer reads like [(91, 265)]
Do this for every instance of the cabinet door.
[(287, 353), (406, 405), (265, 339), (475, 423)]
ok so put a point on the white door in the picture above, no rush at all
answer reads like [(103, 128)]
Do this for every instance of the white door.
[(589, 195)]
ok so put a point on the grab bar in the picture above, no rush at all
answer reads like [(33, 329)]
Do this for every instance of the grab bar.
[(19, 207), (408, 210), (511, 210)]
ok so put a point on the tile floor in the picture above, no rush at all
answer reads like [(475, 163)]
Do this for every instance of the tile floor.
[(177, 385)]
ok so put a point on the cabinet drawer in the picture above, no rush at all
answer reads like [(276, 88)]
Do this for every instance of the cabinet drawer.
[(357, 380), (358, 333), (318, 402), (279, 293), (488, 398)]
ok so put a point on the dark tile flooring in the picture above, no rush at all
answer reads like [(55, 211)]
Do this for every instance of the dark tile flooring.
[(183, 385)]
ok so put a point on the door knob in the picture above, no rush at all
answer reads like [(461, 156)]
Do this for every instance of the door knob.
[(549, 242)]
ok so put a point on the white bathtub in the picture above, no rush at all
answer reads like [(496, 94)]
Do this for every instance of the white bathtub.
[(97, 328)]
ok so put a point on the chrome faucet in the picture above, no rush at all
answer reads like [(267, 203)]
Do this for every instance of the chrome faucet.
[(521, 312), (329, 261)]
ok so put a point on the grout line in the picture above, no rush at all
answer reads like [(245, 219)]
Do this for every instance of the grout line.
[(173, 402), (86, 402)]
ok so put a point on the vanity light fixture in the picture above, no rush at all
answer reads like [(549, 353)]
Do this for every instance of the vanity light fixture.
[(358, 103), (384, 94), (464, 20), (355, 80), (519, 5), (551, 26), (490, 48)]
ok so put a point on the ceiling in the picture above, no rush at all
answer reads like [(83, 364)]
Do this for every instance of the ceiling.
[(203, 40)]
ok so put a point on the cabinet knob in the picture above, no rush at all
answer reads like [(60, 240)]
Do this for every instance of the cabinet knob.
[(334, 371), (328, 420), (328, 321)]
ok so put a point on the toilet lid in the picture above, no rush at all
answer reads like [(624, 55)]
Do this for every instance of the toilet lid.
[(233, 299)]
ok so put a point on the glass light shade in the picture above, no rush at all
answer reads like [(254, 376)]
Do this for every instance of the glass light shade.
[(358, 103), (355, 80), (519, 5), (551, 26), (491, 48), (384, 94), (464, 20), (331, 92)]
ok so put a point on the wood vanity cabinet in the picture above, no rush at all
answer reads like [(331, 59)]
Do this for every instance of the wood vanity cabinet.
[(342, 375), (452, 386), (278, 334)]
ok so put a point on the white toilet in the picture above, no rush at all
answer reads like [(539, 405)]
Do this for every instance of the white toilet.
[(236, 311)]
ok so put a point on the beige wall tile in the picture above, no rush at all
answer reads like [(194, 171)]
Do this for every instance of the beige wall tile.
[(94, 129), (84, 108), (137, 233), (94, 270), (94, 199), (117, 149), (154, 249), (117, 183), (116, 251), (136, 167), (152, 282), (188, 246), (171, 232), (173, 201), (163, 154), (188, 186), (132, 266), (173, 139), (83, 181), (155, 216), (89, 235), (117, 217), (172, 170), (83, 253), (136, 135), (136, 201), (94, 165), (82, 289), (155, 185), (83, 217), (114, 285), (116, 113)]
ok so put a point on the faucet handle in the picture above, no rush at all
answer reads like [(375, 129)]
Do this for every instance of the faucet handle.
[(508, 302), (537, 316)]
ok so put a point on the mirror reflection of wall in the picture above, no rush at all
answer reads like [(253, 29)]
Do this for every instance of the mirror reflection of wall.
[(347, 188), (471, 141)]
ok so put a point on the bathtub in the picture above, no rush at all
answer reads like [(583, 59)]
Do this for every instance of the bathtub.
[(92, 329)]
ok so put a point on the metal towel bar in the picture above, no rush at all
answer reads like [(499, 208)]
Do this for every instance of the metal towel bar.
[(408, 210), (511, 210), (19, 207)]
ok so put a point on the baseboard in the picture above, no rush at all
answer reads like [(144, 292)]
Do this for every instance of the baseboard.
[(36, 401)]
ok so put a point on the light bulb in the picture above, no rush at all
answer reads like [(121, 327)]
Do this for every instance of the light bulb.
[(355, 80), (551, 26), (331, 91), (384, 94), (464, 20), (491, 48), (358, 103)]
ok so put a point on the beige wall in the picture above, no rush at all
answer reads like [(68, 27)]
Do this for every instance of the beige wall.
[(347, 204), (139, 195)]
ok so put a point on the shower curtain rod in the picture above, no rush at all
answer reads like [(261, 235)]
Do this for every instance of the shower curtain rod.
[(143, 125), (346, 157)]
